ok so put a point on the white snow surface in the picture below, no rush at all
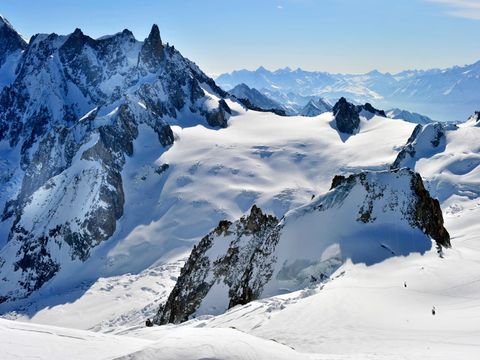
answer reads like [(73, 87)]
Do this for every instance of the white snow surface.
[(363, 312)]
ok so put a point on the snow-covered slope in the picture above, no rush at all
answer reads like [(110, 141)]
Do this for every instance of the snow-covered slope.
[(275, 162), (362, 312), (68, 124), (367, 217), (383, 311), (255, 98), (443, 94), (28, 341)]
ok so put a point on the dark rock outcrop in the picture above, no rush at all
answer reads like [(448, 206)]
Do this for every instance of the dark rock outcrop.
[(10, 40), (369, 108), (425, 213), (152, 53), (219, 117), (235, 268), (347, 116), (250, 106), (428, 214)]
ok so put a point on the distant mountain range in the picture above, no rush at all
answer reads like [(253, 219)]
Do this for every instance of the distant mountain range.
[(442, 94), (256, 100)]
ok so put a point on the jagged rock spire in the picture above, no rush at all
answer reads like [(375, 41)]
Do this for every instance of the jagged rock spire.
[(152, 52), (346, 116)]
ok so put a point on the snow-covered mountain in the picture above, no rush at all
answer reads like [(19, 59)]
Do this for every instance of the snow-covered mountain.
[(255, 99), (68, 123), (352, 311), (408, 116), (117, 156), (11, 47), (189, 177), (367, 217), (315, 108), (443, 94)]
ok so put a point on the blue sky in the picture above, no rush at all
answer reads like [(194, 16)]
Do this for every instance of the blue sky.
[(330, 35)]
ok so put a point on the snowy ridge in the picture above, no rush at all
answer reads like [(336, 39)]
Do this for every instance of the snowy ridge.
[(315, 108), (367, 218), (68, 121), (11, 47), (408, 116), (255, 99)]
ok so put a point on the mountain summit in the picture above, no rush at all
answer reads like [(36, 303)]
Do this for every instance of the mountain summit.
[(11, 47), (70, 114)]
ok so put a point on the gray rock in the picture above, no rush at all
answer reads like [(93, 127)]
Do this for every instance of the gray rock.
[(347, 116)]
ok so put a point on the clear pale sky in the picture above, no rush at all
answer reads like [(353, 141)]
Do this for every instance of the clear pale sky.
[(330, 35)]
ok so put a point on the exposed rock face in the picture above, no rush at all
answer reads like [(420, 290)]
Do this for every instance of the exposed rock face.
[(12, 46), (369, 108), (70, 116), (240, 267), (10, 41), (346, 116), (428, 214), (219, 117), (152, 53), (425, 141), (259, 256)]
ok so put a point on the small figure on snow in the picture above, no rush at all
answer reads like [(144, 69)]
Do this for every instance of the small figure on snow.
[(148, 323), (433, 310), (404, 284)]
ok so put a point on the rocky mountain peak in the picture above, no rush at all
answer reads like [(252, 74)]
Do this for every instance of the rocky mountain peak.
[(346, 116), (75, 106), (369, 108), (154, 36), (425, 141), (153, 51), (10, 40)]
